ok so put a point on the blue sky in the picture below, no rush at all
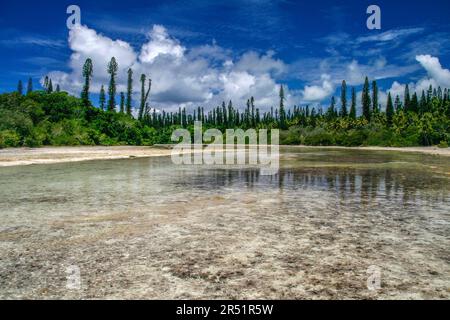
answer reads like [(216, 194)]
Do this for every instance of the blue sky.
[(203, 52)]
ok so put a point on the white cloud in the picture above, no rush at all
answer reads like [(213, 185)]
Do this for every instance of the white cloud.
[(87, 43), (160, 44), (252, 62), (203, 75), (354, 73), (423, 85), (206, 75), (435, 70), (397, 89), (318, 93), (437, 76), (389, 35), (33, 41)]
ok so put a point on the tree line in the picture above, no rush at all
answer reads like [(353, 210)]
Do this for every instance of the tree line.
[(426, 114)]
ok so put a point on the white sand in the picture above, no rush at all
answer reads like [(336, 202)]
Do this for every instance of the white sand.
[(47, 155), (426, 150)]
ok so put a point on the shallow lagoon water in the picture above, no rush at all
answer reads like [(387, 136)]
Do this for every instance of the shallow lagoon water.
[(145, 228)]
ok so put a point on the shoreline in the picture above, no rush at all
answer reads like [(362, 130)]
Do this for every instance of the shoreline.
[(435, 151), (49, 155)]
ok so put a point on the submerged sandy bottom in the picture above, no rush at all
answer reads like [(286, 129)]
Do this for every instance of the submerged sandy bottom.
[(239, 241)]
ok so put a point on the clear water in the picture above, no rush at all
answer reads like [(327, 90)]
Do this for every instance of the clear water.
[(319, 224)]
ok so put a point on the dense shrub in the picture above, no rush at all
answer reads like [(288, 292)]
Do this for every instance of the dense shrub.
[(293, 136), (58, 119), (443, 144), (319, 137), (9, 138), (352, 138)]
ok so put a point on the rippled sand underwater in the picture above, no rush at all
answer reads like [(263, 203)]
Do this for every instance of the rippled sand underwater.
[(146, 228)]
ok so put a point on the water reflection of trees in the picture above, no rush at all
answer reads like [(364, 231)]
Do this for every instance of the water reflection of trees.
[(406, 187)]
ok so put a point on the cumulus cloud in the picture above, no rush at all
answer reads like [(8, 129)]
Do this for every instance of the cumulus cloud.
[(436, 76), (87, 43), (397, 89), (203, 75), (252, 62), (317, 93), (435, 70), (160, 44), (208, 74)]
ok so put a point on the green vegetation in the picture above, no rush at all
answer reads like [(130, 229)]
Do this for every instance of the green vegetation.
[(46, 117), (112, 70), (40, 118)]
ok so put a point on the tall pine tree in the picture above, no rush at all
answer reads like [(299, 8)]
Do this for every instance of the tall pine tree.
[(142, 105), (252, 104), (366, 103), (414, 104), (102, 98), (423, 103), (112, 70), (143, 108), (30, 86), (87, 74), (397, 104), (407, 103), (20, 87), (129, 91), (122, 102), (46, 83), (50, 86), (389, 109), (344, 99), (353, 106), (374, 97), (282, 111)]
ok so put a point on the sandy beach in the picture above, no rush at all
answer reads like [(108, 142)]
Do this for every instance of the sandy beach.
[(48, 155), (425, 150)]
